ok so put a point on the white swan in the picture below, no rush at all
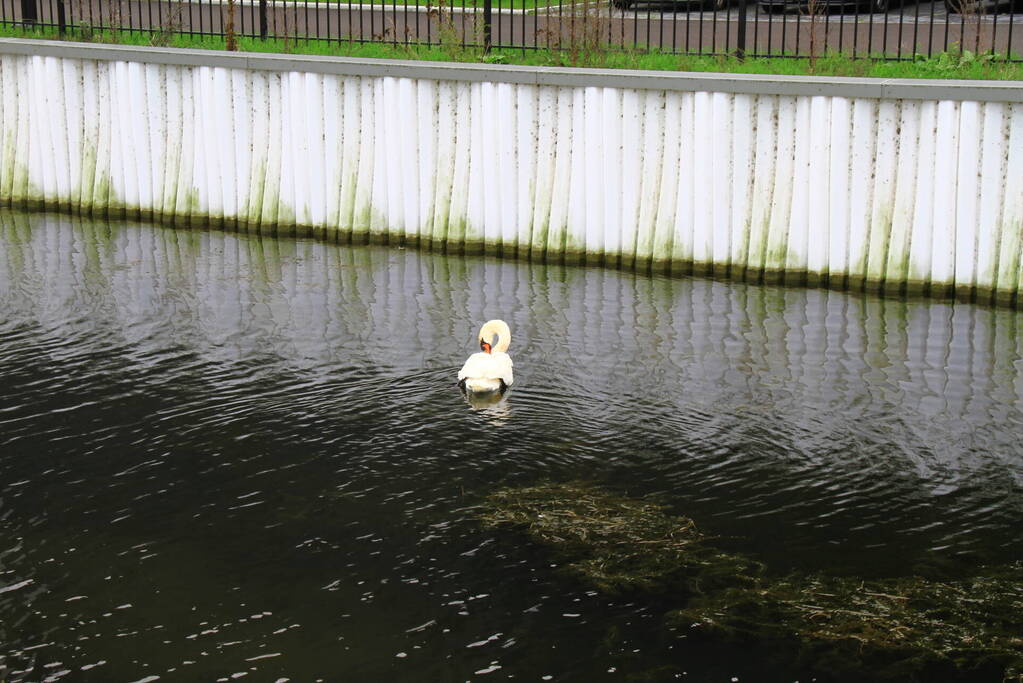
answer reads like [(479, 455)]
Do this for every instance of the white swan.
[(491, 368)]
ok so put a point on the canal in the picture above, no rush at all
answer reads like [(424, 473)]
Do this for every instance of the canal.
[(226, 455)]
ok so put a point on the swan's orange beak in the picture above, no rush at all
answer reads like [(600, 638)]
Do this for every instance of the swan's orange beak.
[(485, 347)]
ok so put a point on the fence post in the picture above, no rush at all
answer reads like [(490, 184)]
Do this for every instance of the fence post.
[(488, 26), (61, 18), (230, 43), (29, 12), (262, 18), (740, 38)]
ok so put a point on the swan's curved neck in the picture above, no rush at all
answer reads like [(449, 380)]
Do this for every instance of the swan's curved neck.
[(500, 328)]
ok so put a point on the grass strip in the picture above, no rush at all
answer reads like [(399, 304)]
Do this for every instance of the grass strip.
[(956, 64)]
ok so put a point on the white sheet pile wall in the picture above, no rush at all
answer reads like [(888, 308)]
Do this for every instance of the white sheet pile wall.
[(895, 191)]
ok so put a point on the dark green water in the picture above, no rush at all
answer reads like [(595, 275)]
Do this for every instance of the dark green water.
[(223, 456)]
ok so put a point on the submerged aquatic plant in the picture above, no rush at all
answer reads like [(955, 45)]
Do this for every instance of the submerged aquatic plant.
[(897, 629), (614, 543)]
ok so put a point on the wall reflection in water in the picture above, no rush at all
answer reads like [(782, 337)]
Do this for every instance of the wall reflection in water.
[(839, 391), (230, 295)]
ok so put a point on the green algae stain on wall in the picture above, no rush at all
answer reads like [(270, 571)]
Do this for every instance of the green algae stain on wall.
[(776, 257), (917, 280), (1008, 262), (7, 166), (23, 191), (253, 208), (88, 179), (191, 205), (285, 216), (362, 220), (346, 209), (879, 233), (103, 195)]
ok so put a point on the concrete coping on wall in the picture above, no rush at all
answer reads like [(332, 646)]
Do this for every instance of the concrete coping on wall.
[(752, 84)]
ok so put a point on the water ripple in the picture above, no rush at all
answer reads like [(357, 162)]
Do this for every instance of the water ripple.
[(232, 454)]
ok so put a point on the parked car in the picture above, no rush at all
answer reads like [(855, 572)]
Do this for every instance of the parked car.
[(826, 6), (982, 6), (687, 5)]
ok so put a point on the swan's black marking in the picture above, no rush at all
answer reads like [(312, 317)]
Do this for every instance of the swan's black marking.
[(461, 385)]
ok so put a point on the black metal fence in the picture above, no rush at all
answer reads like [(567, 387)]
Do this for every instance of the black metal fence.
[(893, 29)]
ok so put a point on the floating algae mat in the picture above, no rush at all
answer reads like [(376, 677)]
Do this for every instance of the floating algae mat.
[(896, 628)]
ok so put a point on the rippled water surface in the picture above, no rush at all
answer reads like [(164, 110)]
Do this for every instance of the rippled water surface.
[(224, 455)]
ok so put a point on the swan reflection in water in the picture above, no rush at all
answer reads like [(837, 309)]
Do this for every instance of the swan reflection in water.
[(492, 405)]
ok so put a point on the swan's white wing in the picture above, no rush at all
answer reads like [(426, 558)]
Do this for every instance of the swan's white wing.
[(475, 366), (503, 367), (487, 366)]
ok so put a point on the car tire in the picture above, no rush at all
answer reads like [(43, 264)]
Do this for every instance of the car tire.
[(880, 6), (715, 5)]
